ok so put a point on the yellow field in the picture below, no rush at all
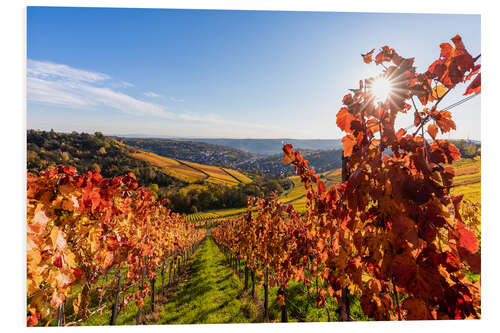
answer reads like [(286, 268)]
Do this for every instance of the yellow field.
[(298, 191), (201, 216), (171, 167), (238, 175), (190, 187), (192, 172), (467, 181)]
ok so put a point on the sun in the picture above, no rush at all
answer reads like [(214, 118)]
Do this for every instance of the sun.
[(381, 88)]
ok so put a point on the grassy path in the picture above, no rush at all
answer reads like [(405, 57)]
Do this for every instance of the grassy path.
[(211, 295)]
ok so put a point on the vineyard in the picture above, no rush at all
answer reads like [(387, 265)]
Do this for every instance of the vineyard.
[(393, 235), (191, 172)]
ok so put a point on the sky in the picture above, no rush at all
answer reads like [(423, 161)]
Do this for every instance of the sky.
[(214, 74)]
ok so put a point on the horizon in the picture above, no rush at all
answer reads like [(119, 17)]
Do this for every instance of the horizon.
[(152, 136), (220, 73)]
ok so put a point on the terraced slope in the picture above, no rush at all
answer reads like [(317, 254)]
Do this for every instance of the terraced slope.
[(194, 172)]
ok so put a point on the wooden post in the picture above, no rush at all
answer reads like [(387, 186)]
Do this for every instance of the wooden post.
[(345, 169), (153, 280), (60, 315), (114, 313), (138, 315), (170, 272), (284, 315), (163, 277), (345, 307), (266, 295), (246, 276), (253, 283)]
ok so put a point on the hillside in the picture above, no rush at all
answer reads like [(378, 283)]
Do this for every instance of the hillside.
[(320, 160), (191, 172), (191, 151), (270, 146), (190, 186), (88, 152)]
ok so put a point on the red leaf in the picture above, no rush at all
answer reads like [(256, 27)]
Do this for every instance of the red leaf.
[(475, 86), (467, 240), (287, 149)]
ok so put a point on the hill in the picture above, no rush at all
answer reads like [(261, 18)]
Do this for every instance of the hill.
[(269, 146), (96, 152), (190, 186), (191, 172), (191, 151)]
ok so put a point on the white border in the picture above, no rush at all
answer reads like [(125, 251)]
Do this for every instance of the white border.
[(12, 176)]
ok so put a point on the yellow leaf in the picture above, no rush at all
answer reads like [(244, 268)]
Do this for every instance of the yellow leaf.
[(438, 91)]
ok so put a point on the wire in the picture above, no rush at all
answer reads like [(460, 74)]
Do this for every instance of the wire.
[(451, 106)]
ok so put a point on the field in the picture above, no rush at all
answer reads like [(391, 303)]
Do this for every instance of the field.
[(467, 181), (193, 172), (216, 214)]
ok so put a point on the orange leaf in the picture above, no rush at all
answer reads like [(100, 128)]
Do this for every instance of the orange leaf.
[(367, 57), (432, 130), (344, 119), (348, 142), (287, 159)]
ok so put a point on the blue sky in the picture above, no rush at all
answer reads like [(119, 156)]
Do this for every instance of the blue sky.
[(204, 73)]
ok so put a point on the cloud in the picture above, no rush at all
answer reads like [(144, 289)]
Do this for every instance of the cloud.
[(65, 86), (151, 94), (177, 100), (71, 88), (126, 84), (50, 71)]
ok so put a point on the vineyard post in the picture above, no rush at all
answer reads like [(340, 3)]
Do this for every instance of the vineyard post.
[(345, 308), (266, 295), (153, 281), (117, 299), (170, 272), (60, 315), (163, 277), (246, 276), (253, 283), (178, 267), (284, 315), (138, 316), (239, 267)]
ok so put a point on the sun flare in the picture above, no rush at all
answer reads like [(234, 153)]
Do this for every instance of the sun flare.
[(381, 88)]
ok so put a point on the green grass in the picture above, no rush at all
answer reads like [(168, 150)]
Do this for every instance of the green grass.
[(127, 315), (211, 295)]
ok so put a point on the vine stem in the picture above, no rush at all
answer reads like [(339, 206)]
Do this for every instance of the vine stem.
[(396, 296)]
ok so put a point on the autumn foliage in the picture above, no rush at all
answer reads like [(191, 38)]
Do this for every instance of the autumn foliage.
[(81, 225), (391, 234)]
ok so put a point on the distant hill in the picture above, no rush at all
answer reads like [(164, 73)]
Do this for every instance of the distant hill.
[(270, 146), (320, 160), (198, 152)]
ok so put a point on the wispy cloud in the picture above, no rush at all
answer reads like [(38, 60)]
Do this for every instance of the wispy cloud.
[(151, 94), (65, 86), (126, 84), (51, 71), (71, 88)]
